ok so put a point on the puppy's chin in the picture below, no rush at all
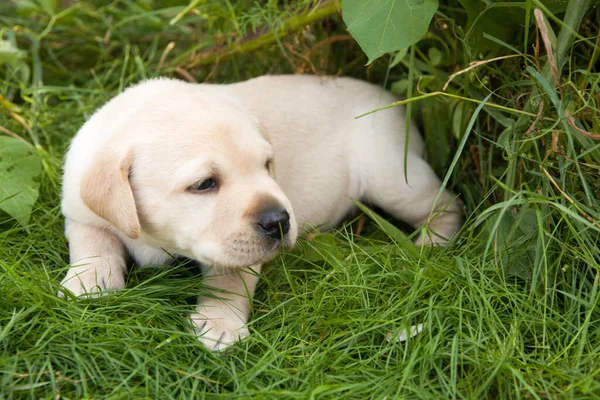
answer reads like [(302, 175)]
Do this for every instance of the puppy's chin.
[(240, 254)]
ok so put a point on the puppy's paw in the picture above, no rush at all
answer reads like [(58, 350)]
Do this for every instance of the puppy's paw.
[(441, 229), (430, 239), (219, 332), (91, 281), (444, 224)]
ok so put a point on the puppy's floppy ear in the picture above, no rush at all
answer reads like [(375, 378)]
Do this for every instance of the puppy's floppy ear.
[(107, 192)]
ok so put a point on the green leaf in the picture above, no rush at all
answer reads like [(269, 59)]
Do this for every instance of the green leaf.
[(383, 26), (486, 18), (389, 229), (435, 56), (323, 247), (436, 128), (399, 88), (20, 170), (460, 116), (398, 57), (48, 5), (32, 7), (515, 237), (9, 54)]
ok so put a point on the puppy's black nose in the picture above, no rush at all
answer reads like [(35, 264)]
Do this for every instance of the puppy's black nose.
[(274, 223)]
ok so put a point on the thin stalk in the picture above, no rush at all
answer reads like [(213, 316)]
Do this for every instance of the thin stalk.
[(454, 96), (576, 10), (264, 37), (411, 75)]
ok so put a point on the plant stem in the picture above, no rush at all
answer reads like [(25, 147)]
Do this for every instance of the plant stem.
[(263, 37), (576, 10), (433, 94)]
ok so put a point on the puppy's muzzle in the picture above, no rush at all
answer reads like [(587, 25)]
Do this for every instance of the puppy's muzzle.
[(273, 223)]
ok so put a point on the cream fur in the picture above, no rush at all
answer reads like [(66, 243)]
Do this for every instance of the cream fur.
[(157, 138)]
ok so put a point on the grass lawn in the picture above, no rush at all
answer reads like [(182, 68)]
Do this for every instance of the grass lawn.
[(509, 309)]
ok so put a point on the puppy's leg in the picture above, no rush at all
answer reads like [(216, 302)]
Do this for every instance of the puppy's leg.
[(220, 321), (413, 202), (97, 259)]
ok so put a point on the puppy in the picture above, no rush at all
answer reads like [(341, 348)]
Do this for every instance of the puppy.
[(229, 174)]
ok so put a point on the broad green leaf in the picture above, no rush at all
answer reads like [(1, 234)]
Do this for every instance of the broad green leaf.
[(20, 170), (384, 26)]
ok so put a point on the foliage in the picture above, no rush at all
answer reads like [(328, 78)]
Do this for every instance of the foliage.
[(509, 310), (20, 169), (384, 26)]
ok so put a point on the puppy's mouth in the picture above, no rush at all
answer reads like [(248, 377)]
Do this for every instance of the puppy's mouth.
[(272, 230), (243, 251), (277, 246), (272, 234)]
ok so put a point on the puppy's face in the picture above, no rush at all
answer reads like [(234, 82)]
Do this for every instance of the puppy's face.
[(203, 185)]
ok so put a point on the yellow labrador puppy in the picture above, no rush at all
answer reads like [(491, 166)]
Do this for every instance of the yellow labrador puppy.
[(228, 175)]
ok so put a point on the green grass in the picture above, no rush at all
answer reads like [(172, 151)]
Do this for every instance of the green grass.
[(509, 309)]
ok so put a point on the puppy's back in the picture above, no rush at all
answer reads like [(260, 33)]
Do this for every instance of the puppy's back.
[(323, 105), (323, 153)]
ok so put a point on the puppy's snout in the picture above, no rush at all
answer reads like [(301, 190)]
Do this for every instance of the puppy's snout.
[(274, 223)]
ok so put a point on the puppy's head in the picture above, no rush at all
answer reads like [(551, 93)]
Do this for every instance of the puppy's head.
[(194, 175)]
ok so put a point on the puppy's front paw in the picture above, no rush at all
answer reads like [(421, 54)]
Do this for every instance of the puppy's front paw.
[(219, 332), (90, 281)]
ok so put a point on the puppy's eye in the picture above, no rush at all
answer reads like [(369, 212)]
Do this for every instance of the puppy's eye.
[(269, 164), (204, 186)]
